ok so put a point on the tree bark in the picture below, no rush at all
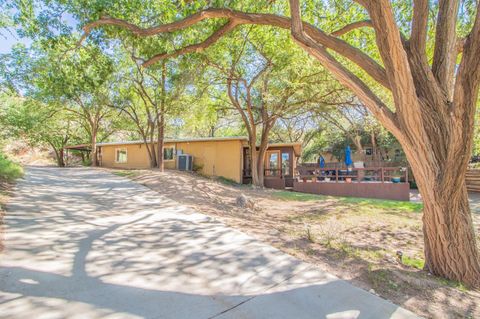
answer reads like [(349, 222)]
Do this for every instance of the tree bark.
[(448, 234), (161, 120), (58, 156), (160, 142), (93, 154), (256, 180), (449, 237)]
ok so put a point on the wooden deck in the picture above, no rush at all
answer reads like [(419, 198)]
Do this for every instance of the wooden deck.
[(372, 182)]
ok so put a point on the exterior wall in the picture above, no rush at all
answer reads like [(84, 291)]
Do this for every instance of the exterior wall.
[(137, 156), (216, 158)]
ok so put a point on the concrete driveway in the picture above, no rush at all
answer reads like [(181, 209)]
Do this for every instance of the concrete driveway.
[(83, 243)]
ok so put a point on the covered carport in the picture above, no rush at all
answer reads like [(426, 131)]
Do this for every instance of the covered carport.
[(82, 149)]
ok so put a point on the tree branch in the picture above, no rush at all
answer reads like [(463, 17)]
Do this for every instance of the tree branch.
[(445, 52), (355, 55), (397, 65), (418, 37), (343, 75), (198, 47), (351, 26)]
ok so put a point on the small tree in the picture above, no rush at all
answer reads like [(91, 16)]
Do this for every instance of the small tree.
[(263, 86), (39, 124)]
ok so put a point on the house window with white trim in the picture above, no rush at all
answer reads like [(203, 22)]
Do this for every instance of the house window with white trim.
[(120, 155)]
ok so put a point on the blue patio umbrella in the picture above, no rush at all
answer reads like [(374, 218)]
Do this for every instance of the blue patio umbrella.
[(348, 156), (321, 162)]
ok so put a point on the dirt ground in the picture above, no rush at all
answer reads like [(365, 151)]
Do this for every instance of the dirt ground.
[(376, 245)]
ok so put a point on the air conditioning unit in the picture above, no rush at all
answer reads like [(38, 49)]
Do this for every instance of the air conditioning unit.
[(184, 162)]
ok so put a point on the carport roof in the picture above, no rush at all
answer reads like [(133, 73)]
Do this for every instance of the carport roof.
[(79, 147)]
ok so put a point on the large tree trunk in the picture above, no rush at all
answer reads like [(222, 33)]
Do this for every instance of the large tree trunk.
[(450, 249), (58, 156), (161, 119), (256, 179), (61, 158), (151, 152), (261, 164), (439, 161), (93, 153), (160, 142)]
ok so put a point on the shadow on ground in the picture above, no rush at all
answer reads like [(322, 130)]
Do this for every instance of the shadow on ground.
[(82, 242)]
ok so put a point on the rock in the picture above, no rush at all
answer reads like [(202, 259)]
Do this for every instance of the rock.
[(372, 291), (245, 202)]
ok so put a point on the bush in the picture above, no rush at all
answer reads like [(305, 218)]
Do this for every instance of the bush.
[(9, 171), (87, 162)]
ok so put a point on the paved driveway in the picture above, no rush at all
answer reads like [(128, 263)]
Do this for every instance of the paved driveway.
[(83, 243)]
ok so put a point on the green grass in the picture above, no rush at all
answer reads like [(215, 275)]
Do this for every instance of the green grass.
[(454, 284), (413, 262), (9, 170), (358, 202), (126, 173), (386, 204), (227, 181), (302, 197)]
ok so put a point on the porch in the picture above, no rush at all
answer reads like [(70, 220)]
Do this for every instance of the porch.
[(372, 182), (279, 165)]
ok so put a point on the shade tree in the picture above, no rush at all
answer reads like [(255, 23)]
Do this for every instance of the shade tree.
[(426, 61), (263, 85)]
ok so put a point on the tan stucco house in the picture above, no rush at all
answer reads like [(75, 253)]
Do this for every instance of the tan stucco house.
[(214, 156)]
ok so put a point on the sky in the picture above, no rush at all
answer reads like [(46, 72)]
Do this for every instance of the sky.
[(8, 38)]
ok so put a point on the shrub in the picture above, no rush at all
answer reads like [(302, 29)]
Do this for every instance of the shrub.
[(9, 171)]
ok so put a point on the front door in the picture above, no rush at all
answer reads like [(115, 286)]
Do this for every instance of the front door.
[(272, 163)]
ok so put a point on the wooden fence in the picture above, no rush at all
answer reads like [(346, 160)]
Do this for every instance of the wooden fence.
[(472, 178)]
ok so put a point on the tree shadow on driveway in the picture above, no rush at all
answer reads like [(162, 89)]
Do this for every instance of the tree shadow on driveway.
[(73, 251)]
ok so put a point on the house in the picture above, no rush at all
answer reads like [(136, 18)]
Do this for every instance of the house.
[(214, 156)]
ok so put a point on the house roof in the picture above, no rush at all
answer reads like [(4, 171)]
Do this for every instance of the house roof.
[(177, 140), (296, 146)]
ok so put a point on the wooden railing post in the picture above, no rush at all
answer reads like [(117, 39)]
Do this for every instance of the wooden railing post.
[(382, 175), (336, 175)]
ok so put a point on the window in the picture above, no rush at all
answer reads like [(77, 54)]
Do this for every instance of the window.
[(168, 153), (368, 151), (273, 163), (286, 163), (121, 155)]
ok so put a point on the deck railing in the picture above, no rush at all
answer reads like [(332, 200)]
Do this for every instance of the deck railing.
[(370, 174)]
